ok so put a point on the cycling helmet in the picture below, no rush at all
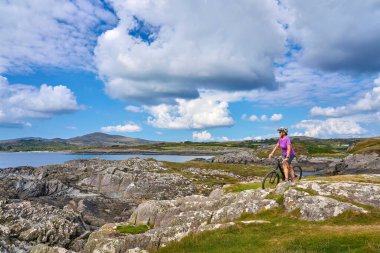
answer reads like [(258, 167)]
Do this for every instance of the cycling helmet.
[(283, 129)]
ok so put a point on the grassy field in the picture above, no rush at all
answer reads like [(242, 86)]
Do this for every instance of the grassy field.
[(37, 145), (366, 146), (349, 232)]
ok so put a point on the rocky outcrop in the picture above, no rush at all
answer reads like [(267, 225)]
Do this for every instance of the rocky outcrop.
[(171, 220), (62, 202), (215, 174), (76, 206), (316, 208), (242, 157), (23, 222), (359, 163)]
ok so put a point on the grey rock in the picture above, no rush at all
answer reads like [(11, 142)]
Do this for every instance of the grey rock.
[(360, 163), (364, 193), (25, 223), (242, 157), (94, 191), (42, 248), (316, 208)]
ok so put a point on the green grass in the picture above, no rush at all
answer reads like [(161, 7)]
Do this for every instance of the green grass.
[(339, 178), (244, 170), (239, 187), (366, 146), (130, 229), (349, 232)]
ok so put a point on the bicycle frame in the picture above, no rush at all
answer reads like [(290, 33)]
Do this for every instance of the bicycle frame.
[(279, 167)]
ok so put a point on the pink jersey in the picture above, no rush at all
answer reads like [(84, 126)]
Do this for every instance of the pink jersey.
[(283, 143)]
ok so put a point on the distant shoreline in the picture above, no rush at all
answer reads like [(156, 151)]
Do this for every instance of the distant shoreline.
[(132, 152), (152, 152)]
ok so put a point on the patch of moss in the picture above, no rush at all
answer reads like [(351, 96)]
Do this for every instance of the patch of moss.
[(239, 187), (310, 191), (130, 229)]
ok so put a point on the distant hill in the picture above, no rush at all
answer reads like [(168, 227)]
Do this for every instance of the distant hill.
[(101, 139), (93, 140)]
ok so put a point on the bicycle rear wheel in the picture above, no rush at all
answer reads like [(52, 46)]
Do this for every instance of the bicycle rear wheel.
[(271, 180), (297, 172)]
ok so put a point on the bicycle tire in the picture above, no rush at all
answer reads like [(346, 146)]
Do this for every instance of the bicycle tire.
[(273, 179), (298, 172)]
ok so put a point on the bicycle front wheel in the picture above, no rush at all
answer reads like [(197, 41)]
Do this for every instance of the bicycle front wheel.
[(271, 180), (297, 172)]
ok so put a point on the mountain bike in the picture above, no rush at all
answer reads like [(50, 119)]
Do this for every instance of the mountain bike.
[(272, 178)]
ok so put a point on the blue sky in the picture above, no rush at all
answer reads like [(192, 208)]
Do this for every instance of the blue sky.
[(189, 70)]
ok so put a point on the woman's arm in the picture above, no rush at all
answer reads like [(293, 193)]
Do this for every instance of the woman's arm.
[(275, 147)]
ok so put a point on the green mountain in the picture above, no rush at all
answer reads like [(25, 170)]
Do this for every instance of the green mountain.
[(105, 140), (93, 140)]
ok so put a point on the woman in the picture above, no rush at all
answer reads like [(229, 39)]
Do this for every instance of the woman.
[(289, 154)]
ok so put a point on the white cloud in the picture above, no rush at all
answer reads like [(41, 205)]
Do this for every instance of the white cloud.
[(333, 40), (133, 108), (259, 137), (254, 118), (71, 127), (276, 117), (127, 128), (198, 113), (369, 103), (329, 127), (21, 102), (202, 136), (307, 86), (54, 33), (223, 138), (193, 45), (377, 81)]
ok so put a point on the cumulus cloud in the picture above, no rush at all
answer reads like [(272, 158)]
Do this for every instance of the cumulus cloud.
[(310, 86), (202, 112), (329, 127), (331, 39), (202, 136), (21, 102), (54, 33), (127, 128), (276, 117), (369, 103), (253, 118), (169, 49), (259, 137), (133, 108)]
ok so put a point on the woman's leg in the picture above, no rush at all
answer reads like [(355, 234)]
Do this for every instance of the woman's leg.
[(291, 172), (286, 170)]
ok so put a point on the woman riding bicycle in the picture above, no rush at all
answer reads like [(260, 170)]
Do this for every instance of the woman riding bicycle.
[(288, 151)]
